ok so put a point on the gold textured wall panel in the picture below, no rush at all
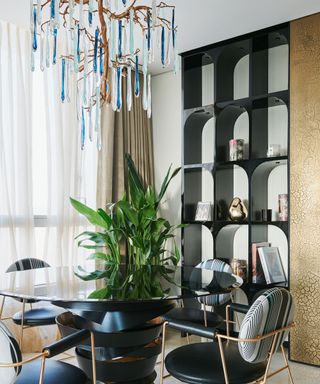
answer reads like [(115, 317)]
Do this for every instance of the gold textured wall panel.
[(305, 187)]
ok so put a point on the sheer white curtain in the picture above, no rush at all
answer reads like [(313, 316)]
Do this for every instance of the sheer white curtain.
[(16, 205), (41, 166), (41, 162)]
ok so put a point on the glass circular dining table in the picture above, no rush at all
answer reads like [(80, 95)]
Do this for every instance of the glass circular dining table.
[(121, 304)]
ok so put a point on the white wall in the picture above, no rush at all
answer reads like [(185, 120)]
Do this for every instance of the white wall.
[(166, 110)]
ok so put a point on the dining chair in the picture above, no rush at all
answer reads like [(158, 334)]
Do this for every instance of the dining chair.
[(33, 317), (195, 313), (38, 369), (236, 360)]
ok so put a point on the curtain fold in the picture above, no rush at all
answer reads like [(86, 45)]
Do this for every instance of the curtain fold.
[(124, 132), (16, 206)]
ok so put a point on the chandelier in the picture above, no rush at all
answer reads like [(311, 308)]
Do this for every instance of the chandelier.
[(96, 41)]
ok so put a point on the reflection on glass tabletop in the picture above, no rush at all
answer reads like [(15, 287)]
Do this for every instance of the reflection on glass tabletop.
[(116, 283)]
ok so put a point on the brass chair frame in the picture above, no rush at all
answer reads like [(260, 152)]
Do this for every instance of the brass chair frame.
[(45, 354), (22, 326), (220, 337), (205, 324)]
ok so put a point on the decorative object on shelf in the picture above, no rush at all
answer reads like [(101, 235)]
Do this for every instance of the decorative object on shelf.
[(266, 214), (237, 210), (257, 271), (135, 220), (236, 149), (96, 41), (283, 207), (274, 150), (204, 211), (272, 265), (239, 268)]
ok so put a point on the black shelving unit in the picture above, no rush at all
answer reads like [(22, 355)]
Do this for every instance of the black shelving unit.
[(254, 170)]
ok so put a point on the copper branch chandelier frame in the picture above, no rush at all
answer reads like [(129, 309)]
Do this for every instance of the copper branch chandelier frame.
[(96, 41)]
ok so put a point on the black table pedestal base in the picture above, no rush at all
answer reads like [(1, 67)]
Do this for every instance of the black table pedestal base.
[(123, 357)]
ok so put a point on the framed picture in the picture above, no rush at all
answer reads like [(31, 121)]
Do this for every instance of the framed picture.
[(204, 211), (272, 265), (257, 271)]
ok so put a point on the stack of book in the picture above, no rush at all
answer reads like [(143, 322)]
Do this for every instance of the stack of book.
[(267, 267)]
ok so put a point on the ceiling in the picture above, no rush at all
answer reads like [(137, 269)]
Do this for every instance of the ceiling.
[(202, 22)]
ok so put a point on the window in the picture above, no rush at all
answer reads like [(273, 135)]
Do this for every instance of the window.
[(41, 163)]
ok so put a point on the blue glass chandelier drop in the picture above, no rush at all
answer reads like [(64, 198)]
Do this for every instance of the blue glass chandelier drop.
[(97, 44)]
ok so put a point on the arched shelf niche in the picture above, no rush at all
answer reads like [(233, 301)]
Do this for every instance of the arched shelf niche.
[(198, 244), (231, 181), (199, 136), (232, 123), (198, 187), (276, 237), (226, 65), (198, 80), (270, 122), (232, 242), (269, 180)]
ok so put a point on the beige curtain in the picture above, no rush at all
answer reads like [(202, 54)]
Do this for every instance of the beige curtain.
[(123, 132)]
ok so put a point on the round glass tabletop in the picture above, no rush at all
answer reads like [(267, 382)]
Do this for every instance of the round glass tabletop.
[(116, 284)]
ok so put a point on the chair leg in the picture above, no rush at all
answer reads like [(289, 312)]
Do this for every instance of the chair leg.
[(22, 323), (58, 334), (223, 360), (236, 314), (164, 327), (228, 320), (273, 346), (287, 364), (205, 318), (93, 355), (43, 363)]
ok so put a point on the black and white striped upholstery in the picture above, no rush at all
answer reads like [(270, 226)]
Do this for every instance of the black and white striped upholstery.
[(246, 362), (9, 353), (36, 316), (218, 266), (26, 264), (274, 309)]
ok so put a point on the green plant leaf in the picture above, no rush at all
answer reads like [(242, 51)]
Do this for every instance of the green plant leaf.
[(128, 211), (98, 256), (166, 182), (105, 217), (133, 173), (103, 293), (92, 216), (96, 275)]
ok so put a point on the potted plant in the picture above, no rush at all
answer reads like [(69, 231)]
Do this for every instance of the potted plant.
[(129, 332), (134, 220)]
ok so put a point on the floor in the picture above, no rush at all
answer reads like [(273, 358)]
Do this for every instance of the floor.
[(302, 374)]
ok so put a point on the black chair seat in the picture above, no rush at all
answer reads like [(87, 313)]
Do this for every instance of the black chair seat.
[(55, 372), (193, 315), (180, 363), (38, 316)]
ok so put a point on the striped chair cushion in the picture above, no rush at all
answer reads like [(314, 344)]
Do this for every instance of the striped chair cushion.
[(272, 310), (219, 266), (10, 353), (26, 264)]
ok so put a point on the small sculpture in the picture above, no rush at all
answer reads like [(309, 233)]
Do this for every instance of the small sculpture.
[(237, 210)]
